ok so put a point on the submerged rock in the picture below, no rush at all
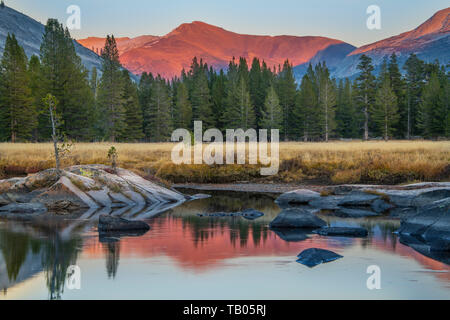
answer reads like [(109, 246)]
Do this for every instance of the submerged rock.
[(301, 196), (23, 208), (313, 257), (342, 232), (297, 218), (109, 223), (249, 214)]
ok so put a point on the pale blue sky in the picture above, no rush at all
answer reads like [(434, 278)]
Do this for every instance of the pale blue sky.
[(340, 19)]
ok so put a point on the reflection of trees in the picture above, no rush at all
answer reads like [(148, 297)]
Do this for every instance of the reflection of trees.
[(15, 248), (58, 255), (112, 251)]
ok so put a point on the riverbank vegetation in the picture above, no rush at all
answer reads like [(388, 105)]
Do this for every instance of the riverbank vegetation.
[(376, 162)]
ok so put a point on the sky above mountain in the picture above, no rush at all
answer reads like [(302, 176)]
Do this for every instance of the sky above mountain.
[(344, 19)]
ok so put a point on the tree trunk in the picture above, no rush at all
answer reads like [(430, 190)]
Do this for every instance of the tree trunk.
[(55, 138), (366, 118)]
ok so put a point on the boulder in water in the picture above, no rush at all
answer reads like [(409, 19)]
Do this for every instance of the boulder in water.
[(313, 257), (297, 218)]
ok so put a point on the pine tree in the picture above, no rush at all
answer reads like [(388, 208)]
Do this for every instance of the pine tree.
[(327, 101), (218, 95), (272, 114), (287, 91), (346, 122), (365, 94), (306, 112), (200, 95), (110, 92), (67, 79), (385, 111), (257, 90), (17, 113), (239, 112), (158, 113), (184, 108), (398, 86), (35, 74), (415, 76), (433, 109), (133, 112)]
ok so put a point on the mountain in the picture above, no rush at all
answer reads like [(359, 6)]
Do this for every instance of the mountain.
[(169, 54), (123, 44), (29, 34), (429, 41)]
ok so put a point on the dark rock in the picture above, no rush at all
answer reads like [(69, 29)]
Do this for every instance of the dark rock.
[(342, 232), (354, 213), (431, 225), (326, 203), (29, 208), (291, 235), (111, 223), (313, 257), (402, 213), (430, 197), (358, 198), (301, 196), (297, 218), (381, 206), (425, 249), (251, 214)]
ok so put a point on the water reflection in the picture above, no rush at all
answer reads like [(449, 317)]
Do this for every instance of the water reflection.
[(195, 244)]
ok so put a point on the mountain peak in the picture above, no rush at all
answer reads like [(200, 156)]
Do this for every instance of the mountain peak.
[(438, 23)]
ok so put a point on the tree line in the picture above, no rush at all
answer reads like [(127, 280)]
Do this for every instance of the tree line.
[(110, 106)]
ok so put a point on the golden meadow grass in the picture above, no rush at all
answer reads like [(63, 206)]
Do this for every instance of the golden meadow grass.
[(323, 163)]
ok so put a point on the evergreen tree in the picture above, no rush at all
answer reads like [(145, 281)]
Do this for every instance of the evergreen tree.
[(306, 110), (433, 111), (398, 86), (327, 101), (257, 90), (218, 94), (385, 111), (346, 123), (365, 94), (239, 112), (17, 113), (133, 112), (287, 91), (415, 76), (65, 77), (110, 92), (184, 108), (159, 125), (272, 114), (34, 71), (200, 95)]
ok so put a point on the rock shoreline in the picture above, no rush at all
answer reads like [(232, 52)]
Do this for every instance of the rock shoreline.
[(78, 187)]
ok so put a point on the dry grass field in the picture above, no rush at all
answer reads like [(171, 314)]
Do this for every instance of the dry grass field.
[(375, 162)]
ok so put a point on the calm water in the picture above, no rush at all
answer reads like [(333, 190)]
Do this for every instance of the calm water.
[(184, 256)]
